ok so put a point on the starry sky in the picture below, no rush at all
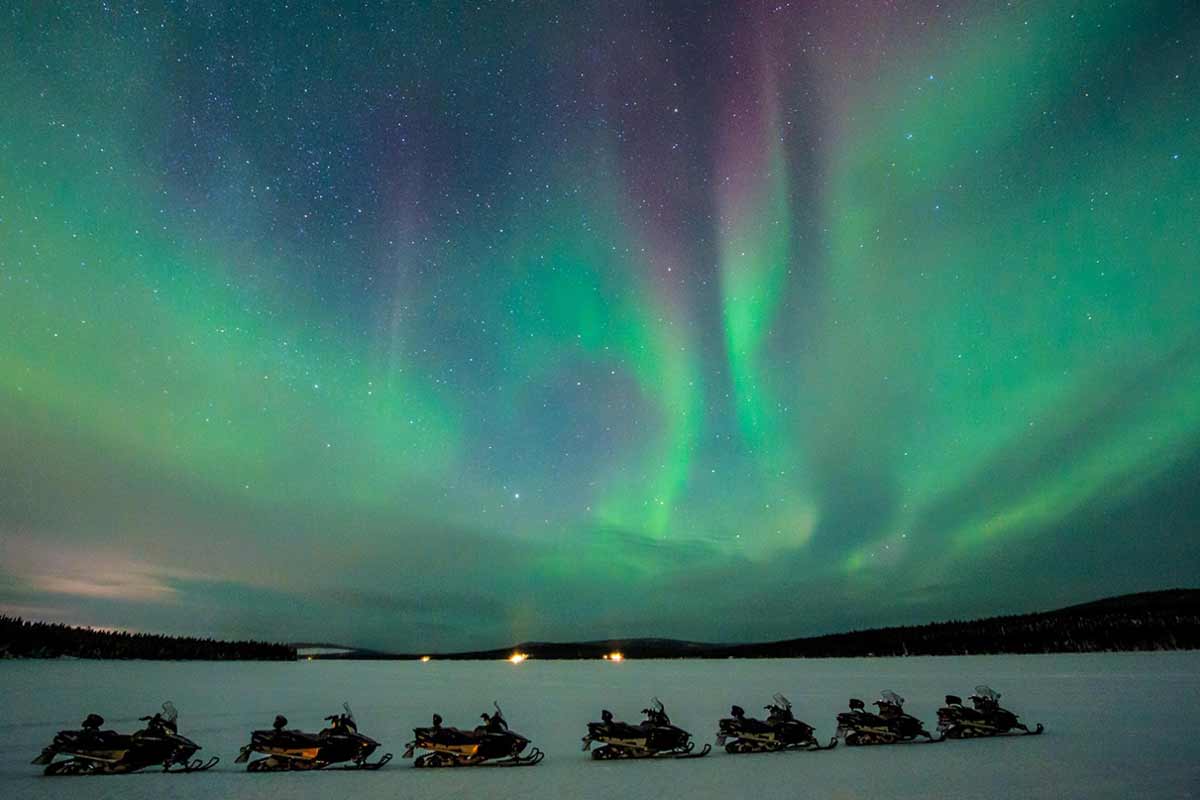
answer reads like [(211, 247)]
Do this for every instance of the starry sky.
[(451, 325)]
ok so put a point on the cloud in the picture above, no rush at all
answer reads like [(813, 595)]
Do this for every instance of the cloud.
[(86, 572)]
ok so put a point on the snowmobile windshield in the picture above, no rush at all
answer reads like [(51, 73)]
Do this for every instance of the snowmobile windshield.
[(349, 713), (656, 713), (987, 693), (781, 701), (888, 696), (169, 713)]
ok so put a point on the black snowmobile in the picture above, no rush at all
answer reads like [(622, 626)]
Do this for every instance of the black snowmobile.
[(96, 752), (780, 731), (987, 718), (298, 750), (890, 726), (656, 737), (491, 744)]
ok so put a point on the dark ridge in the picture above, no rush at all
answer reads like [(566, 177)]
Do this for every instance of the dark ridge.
[(22, 639), (1161, 620)]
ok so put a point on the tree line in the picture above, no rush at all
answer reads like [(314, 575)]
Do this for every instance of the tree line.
[(1162, 620), (1166, 620), (21, 638)]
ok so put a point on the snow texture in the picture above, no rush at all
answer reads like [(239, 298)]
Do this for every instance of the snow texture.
[(1117, 725)]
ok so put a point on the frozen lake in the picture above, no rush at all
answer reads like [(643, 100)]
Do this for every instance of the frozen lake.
[(1118, 726)]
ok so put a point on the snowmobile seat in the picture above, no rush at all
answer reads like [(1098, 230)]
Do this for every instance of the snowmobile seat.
[(454, 736), (755, 725), (889, 710), (623, 730), (286, 738)]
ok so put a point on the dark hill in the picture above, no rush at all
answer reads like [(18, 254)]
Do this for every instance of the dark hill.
[(1165, 620), (1162, 620), (23, 639)]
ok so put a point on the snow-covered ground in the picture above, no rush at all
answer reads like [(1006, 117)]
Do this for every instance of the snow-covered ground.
[(1117, 726)]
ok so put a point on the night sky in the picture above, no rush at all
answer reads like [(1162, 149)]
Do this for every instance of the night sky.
[(451, 328)]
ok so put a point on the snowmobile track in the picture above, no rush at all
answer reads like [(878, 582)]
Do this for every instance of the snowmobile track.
[(195, 765)]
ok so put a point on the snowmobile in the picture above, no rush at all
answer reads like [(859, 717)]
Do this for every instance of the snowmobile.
[(490, 744), (987, 718), (296, 750), (655, 737), (781, 731), (890, 726), (96, 752)]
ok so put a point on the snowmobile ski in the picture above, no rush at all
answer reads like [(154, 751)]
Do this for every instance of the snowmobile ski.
[(435, 760), (701, 753), (195, 765), (366, 765)]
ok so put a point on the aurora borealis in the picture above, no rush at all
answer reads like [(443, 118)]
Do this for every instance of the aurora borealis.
[(421, 327)]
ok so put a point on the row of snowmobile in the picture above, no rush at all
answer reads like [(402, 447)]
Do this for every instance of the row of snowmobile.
[(92, 751)]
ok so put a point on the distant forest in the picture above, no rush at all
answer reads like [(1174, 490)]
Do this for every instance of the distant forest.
[(1166, 620), (22, 639), (1162, 620)]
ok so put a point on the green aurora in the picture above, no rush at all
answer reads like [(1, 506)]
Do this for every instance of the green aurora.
[(455, 327)]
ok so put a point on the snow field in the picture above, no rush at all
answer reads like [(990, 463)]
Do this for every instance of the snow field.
[(1117, 725)]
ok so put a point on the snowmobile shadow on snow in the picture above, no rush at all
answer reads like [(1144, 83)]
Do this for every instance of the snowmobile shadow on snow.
[(297, 750), (987, 718), (780, 731), (491, 744), (890, 726), (655, 737), (96, 752)]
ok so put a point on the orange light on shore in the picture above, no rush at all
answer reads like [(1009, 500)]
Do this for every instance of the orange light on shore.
[(426, 659), (517, 658), (615, 656)]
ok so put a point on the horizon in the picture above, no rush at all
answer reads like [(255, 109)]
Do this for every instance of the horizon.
[(527, 647), (702, 321)]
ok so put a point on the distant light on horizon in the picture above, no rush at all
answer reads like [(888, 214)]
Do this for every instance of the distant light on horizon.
[(517, 658), (426, 659)]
